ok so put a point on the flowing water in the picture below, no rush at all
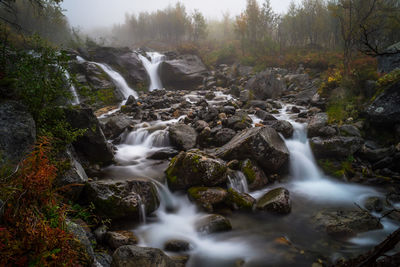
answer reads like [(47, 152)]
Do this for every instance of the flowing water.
[(258, 239), (152, 63), (75, 100)]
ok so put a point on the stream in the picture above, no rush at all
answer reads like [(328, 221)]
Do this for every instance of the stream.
[(258, 238)]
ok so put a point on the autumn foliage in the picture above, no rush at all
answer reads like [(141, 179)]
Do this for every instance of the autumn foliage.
[(33, 231)]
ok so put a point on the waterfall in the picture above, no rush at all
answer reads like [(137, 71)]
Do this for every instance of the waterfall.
[(238, 181), (142, 210), (151, 67), (76, 100)]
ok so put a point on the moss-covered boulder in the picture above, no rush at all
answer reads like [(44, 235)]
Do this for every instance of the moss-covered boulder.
[(240, 201), (193, 169), (122, 199), (208, 198), (276, 201), (256, 178), (261, 144), (213, 223)]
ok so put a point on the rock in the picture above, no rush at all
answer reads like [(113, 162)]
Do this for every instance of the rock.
[(239, 121), (208, 198), (256, 177), (182, 136), (74, 178), (265, 116), (164, 153), (93, 145), (17, 132), (375, 155), (244, 96), (276, 200), (177, 245), (103, 259), (319, 121), (389, 62), (335, 147), (261, 144), (210, 96), (345, 223), (385, 110), (373, 204), (80, 234), (213, 223), (283, 127), (349, 130), (185, 72), (122, 199), (200, 125), (194, 168), (240, 201), (266, 84), (223, 136), (295, 109), (116, 125), (100, 232), (127, 63), (327, 131), (131, 101), (120, 238), (133, 256)]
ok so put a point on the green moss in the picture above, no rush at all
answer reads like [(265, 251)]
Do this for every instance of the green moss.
[(337, 169), (248, 171), (234, 197), (194, 192)]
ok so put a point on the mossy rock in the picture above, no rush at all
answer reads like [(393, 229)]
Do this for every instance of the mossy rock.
[(208, 198), (255, 176), (240, 201), (276, 201)]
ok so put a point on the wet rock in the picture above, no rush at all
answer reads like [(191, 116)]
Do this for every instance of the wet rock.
[(208, 198), (239, 121), (327, 131), (385, 110), (182, 136), (390, 61), (103, 259), (131, 101), (122, 199), (213, 223), (93, 145), (230, 110), (256, 177), (375, 154), (319, 121), (295, 109), (177, 246), (210, 96), (195, 168), (165, 153), (80, 234), (345, 223), (349, 130), (276, 200), (265, 116), (335, 147), (266, 84), (261, 144), (283, 127), (373, 204), (240, 201), (133, 256), (17, 132), (184, 72), (116, 125), (120, 238)]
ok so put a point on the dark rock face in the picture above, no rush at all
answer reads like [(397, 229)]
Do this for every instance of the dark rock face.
[(184, 72), (213, 223), (17, 132), (318, 122), (276, 200), (385, 110), (93, 145), (124, 60), (266, 84), (345, 223), (122, 199), (335, 147), (182, 136), (195, 168), (387, 63), (261, 144), (133, 256)]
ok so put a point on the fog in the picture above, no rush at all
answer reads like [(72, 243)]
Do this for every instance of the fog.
[(98, 13)]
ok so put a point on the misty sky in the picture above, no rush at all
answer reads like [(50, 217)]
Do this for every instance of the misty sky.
[(93, 13)]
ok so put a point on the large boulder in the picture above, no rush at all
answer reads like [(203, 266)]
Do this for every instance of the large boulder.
[(133, 256), (184, 72), (92, 145), (122, 199), (385, 110), (124, 60), (17, 132), (316, 124), (345, 223), (195, 168), (335, 147), (116, 125), (276, 201), (389, 62), (266, 84), (261, 144), (283, 127), (182, 136)]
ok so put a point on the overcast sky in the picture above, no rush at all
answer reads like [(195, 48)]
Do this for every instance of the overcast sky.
[(93, 13)]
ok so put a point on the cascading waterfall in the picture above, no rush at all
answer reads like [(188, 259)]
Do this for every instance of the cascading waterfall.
[(238, 181), (151, 67), (76, 100), (142, 210)]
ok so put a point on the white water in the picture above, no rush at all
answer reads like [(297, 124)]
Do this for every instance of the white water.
[(152, 67), (76, 100), (238, 181)]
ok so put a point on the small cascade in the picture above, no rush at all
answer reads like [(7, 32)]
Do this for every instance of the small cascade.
[(152, 67), (76, 100), (238, 181), (144, 137), (142, 210)]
